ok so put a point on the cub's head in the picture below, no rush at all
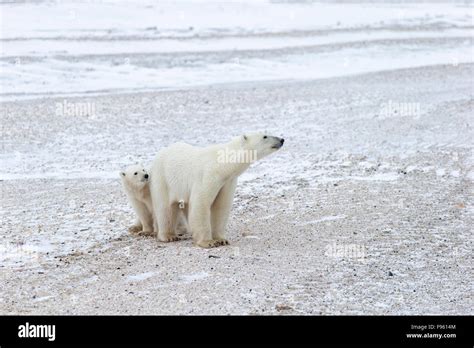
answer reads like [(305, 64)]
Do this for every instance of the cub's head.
[(135, 177), (261, 143)]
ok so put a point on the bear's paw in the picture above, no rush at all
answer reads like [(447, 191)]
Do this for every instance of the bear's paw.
[(135, 229), (213, 243)]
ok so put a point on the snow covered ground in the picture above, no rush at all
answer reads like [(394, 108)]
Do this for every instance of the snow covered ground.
[(366, 210)]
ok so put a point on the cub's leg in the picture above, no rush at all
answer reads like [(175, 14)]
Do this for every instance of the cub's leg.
[(145, 217), (154, 228)]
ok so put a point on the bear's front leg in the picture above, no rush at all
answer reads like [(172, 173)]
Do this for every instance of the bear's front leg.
[(200, 223), (220, 211)]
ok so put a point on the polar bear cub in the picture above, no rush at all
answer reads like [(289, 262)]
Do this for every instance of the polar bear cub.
[(204, 179), (135, 181)]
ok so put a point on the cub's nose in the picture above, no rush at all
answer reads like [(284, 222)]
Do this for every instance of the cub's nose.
[(146, 176), (282, 141)]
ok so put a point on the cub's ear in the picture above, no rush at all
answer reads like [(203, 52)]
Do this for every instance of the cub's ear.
[(122, 174)]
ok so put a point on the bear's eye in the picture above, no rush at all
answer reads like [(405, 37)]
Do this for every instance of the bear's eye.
[(135, 173), (264, 137)]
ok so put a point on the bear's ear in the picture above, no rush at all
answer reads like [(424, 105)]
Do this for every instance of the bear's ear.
[(122, 174), (244, 137)]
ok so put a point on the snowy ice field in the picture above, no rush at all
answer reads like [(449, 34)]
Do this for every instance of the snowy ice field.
[(356, 171), (72, 48)]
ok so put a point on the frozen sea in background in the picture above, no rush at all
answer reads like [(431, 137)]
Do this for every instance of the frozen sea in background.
[(73, 48)]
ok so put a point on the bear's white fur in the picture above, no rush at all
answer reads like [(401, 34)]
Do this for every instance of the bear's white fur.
[(135, 181), (205, 179)]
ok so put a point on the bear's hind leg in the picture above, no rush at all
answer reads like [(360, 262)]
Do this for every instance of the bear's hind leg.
[(182, 223), (167, 216)]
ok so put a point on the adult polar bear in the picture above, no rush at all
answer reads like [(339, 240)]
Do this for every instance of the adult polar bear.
[(205, 179)]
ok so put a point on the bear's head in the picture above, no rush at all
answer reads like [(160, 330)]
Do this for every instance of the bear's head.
[(262, 144), (135, 177)]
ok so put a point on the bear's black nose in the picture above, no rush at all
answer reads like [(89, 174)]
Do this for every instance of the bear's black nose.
[(282, 141), (146, 176)]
